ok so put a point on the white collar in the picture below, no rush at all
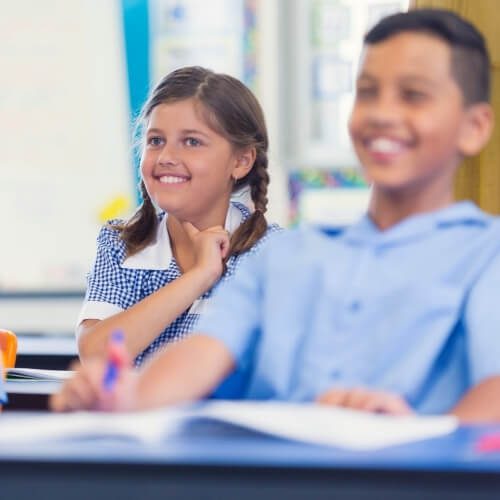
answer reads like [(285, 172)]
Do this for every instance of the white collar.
[(158, 254)]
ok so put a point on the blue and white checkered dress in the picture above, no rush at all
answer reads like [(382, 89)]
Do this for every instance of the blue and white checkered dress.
[(112, 288)]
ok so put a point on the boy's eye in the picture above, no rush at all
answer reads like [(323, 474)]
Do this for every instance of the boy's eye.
[(192, 142), (155, 141), (366, 92), (413, 95)]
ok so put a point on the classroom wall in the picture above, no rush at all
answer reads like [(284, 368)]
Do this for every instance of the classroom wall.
[(65, 159)]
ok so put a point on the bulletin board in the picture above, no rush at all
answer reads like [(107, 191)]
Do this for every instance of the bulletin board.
[(65, 154)]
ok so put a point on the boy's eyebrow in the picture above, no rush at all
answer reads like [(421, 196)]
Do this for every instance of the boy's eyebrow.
[(407, 79), (366, 76)]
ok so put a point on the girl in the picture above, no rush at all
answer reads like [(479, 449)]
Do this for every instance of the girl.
[(203, 138)]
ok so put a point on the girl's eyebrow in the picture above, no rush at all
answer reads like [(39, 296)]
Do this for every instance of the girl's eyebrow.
[(154, 131), (194, 131), (184, 131)]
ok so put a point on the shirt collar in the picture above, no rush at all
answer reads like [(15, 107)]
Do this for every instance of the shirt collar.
[(158, 255), (461, 213)]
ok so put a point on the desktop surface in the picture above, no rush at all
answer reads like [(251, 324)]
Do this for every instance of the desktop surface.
[(215, 460)]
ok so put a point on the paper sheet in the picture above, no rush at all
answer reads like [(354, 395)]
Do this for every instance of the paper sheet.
[(308, 423), (34, 374)]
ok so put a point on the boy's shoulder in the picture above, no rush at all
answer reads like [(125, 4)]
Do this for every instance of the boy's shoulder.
[(303, 239)]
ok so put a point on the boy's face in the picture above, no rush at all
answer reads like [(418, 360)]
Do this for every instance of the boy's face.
[(408, 118)]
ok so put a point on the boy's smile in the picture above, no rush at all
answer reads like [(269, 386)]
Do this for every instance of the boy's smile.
[(408, 117)]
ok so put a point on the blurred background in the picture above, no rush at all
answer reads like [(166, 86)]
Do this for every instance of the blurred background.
[(74, 74)]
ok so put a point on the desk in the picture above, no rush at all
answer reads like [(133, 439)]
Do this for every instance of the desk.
[(29, 395), (50, 352), (217, 461)]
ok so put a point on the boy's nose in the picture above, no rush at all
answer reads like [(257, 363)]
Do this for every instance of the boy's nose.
[(384, 112)]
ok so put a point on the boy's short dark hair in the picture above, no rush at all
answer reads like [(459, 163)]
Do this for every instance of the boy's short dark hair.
[(470, 61)]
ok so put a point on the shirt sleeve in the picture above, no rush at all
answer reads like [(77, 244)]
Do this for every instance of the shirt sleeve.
[(482, 321), (234, 314), (109, 286)]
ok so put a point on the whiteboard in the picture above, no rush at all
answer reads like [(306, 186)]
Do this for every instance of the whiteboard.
[(65, 152)]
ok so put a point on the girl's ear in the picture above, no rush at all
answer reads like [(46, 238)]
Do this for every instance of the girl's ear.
[(476, 130), (244, 163)]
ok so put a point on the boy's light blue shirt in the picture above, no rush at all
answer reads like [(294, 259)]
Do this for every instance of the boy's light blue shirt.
[(413, 310)]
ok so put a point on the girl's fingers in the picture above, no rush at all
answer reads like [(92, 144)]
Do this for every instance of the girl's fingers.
[(224, 244), (82, 390)]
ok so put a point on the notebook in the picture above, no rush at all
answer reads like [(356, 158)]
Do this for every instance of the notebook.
[(307, 423), (34, 374)]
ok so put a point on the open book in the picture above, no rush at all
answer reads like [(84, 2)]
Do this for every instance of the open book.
[(308, 423), (24, 374)]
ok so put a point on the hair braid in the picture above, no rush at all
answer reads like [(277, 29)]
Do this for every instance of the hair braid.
[(256, 225), (140, 230)]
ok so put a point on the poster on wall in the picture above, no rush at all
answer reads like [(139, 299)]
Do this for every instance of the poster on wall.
[(197, 32)]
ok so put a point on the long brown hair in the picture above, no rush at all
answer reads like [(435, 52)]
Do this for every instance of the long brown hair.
[(231, 110)]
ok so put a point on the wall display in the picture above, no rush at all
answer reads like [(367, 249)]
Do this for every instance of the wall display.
[(64, 138)]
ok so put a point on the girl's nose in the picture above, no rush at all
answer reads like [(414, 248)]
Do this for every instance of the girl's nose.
[(168, 156)]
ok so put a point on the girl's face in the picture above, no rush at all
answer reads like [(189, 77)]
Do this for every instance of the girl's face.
[(188, 169)]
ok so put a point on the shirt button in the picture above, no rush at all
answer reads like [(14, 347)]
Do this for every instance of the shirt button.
[(355, 306)]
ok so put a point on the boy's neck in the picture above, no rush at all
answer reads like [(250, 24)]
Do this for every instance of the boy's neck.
[(387, 209)]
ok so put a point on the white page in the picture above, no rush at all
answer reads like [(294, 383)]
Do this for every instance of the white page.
[(307, 423), (31, 374), (148, 426), (324, 425)]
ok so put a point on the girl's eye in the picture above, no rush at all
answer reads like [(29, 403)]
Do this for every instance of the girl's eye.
[(192, 142), (155, 141)]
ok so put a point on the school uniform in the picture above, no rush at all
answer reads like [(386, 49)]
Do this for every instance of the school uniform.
[(117, 282), (413, 310)]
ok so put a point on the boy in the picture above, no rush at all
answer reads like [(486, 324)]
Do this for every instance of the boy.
[(396, 314)]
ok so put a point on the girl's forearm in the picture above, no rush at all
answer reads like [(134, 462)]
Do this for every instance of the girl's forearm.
[(144, 321)]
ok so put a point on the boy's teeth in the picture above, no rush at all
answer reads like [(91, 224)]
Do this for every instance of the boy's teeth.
[(170, 179), (385, 146)]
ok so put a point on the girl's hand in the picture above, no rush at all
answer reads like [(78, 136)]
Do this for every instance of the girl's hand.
[(366, 400), (211, 247), (85, 390)]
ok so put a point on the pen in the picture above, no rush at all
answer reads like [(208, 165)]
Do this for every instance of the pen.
[(115, 360)]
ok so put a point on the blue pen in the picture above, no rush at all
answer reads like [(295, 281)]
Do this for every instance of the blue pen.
[(114, 360)]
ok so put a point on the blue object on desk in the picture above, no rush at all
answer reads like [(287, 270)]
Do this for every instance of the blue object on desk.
[(3, 394), (215, 460)]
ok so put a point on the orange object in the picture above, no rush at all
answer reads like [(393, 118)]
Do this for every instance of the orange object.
[(8, 346)]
